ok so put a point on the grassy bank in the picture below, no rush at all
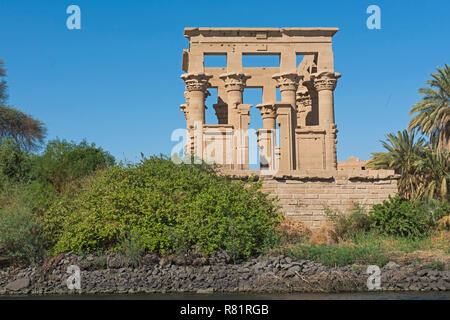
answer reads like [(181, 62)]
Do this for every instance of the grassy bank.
[(373, 248)]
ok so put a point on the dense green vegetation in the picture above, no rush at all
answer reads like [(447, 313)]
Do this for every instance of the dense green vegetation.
[(389, 231), (408, 219), (74, 197), (372, 248), (31, 183), (169, 208)]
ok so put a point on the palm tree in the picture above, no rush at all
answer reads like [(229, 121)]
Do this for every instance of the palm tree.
[(403, 155), (28, 132), (433, 112), (435, 169)]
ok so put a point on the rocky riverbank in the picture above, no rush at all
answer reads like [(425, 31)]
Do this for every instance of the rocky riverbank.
[(112, 274)]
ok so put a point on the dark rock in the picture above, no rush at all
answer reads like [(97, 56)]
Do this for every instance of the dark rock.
[(115, 261), (200, 261), (165, 261), (224, 257), (18, 284), (391, 265), (441, 285), (285, 266), (180, 260), (205, 291), (259, 265), (175, 273), (422, 273), (4, 262), (245, 276), (150, 259), (293, 271)]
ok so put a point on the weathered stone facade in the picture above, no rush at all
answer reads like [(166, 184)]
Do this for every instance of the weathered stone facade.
[(302, 168), (306, 197)]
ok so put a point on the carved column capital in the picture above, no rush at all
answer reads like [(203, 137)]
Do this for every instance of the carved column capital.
[(325, 80), (309, 84), (186, 97), (196, 81), (268, 110), (184, 108), (287, 81), (235, 81)]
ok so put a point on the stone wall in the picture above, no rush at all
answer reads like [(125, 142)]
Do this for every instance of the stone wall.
[(305, 195)]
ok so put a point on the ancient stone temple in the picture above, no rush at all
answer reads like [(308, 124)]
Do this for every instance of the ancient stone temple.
[(302, 169)]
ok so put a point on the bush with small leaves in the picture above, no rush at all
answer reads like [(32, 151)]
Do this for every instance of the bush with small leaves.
[(399, 217), (173, 208)]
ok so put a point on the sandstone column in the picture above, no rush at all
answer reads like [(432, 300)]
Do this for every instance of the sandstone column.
[(242, 147), (325, 83), (286, 116), (234, 86), (266, 136), (196, 93)]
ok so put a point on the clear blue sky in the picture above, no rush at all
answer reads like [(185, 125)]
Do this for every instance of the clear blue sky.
[(116, 81)]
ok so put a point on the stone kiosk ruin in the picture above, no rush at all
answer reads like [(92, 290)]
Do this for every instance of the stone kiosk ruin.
[(302, 170)]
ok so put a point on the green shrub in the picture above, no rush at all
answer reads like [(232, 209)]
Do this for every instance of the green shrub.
[(173, 207), (15, 163), (436, 265), (132, 248), (61, 169), (434, 209), (348, 224), (63, 163), (20, 234), (399, 217)]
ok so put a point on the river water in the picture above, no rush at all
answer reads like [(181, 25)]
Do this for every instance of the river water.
[(433, 295)]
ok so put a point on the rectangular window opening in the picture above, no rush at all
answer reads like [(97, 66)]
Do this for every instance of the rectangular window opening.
[(265, 60), (215, 60)]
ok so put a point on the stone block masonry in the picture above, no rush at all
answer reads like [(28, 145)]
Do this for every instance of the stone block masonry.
[(306, 195)]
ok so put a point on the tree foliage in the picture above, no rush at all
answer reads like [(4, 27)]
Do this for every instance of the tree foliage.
[(423, 169), (17, 125), (64, 162), (15, 163), (433, 112), (399, 217)]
